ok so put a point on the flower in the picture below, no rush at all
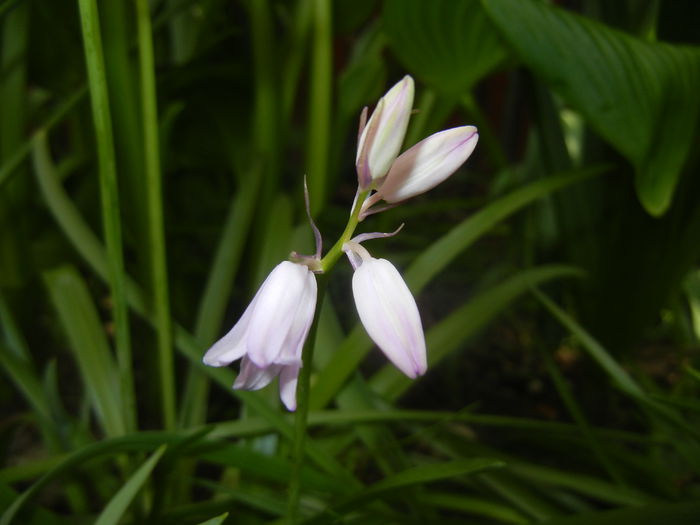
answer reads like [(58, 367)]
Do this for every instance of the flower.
[(388, 311), (381, 139), (428, 163), (270, 334)]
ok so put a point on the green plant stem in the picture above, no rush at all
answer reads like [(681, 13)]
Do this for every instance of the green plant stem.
[(97, 83), (304, 384), (319, 108), (337, 250), (159, 273), (302, 412)]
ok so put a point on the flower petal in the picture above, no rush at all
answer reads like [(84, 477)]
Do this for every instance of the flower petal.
[(232, 346), (303, 318), (253, 377), (389, 313), (428, 163), (382, 137), (275, 311), (289, 376)]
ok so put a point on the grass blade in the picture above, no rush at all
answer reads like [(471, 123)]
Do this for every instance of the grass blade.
[(89, 345), (112, 513), (99, 96), (156, 229)]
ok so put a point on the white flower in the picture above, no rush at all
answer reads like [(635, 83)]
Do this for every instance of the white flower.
[(428, 163), (381, 139), (388, 311), (270, 334)]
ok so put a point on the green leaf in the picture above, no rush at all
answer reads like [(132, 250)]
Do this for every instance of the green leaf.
[(448, 44), (217, 520), (426, 474), (464, 322), (640, 96), (116, 507), (105, 449), (417, 476), (684, 513), (88, 342)]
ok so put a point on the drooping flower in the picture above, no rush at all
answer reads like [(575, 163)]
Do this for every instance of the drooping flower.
[(381, 138), (270, 334), (388, 310)]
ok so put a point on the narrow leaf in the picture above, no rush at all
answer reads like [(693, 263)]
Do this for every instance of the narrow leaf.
[(112, 513)]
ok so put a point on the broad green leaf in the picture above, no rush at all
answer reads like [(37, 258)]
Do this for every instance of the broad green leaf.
[(88, 342), (450, 333), (448, 44), (640, 96), (112, 513)]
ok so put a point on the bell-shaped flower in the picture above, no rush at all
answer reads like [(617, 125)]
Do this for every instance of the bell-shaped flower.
[(270, 334), (388, 311), (426, 164), (381, 138)]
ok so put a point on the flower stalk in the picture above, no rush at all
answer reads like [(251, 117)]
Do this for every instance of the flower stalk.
[(276, 333)]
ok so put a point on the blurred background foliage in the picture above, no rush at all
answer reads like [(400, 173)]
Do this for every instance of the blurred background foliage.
[(151, 165)]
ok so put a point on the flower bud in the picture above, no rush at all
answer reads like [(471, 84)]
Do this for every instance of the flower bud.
[(382, 137), (428, 163)]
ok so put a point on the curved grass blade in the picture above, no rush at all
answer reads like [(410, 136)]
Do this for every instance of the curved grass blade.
[(413, 476), (104, 450), (88, 343), (112, 513), (156, 228), (217, 520), (109, 196)]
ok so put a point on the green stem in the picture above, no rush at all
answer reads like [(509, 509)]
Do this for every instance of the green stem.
[(302, 412), (159, 273), (319, 108), (99, 97), (337, 250), (304, 383)]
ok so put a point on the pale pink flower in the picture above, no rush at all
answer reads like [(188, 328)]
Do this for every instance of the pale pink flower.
[(388, 311), (270, 334)]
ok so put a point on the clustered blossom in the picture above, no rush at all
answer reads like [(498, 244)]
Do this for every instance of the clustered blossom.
[(270, 335)]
